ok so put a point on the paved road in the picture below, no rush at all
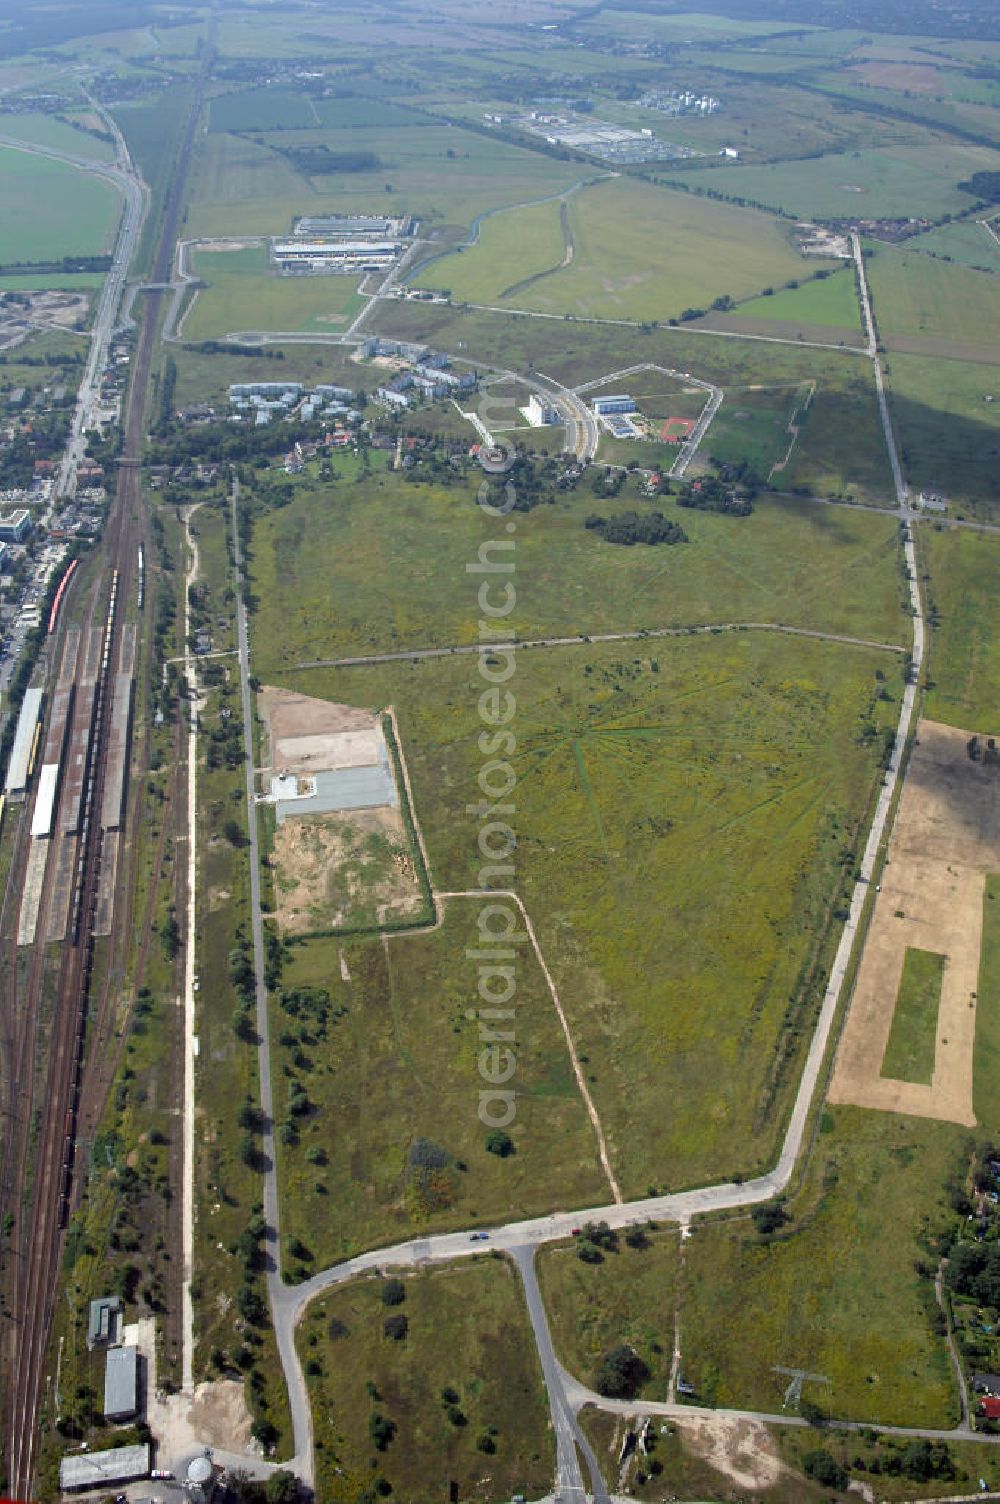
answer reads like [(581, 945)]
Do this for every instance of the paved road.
[(521, 1239), (124, 177), (413, 655)]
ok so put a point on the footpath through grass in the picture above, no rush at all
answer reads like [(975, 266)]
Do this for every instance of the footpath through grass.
[(457, 1397), (320, 563), (658, 787), (909, 1054)]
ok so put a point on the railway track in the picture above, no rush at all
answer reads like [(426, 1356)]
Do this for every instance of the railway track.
[(73, 1084)]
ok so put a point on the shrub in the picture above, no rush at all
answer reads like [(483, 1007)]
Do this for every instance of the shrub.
[(500, 1143), (393, 1292), (824, 1469), (396, 1327), (620, 1373)]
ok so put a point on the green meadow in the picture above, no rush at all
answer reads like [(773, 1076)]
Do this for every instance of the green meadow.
[(49, 209), (242, 293)]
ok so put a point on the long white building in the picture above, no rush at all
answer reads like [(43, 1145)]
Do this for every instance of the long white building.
[(305, 256)]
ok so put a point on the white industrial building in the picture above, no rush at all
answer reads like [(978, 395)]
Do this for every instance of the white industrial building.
[(104, 1470), (24, 740), (618, 404), (305, 256), (539, 413)]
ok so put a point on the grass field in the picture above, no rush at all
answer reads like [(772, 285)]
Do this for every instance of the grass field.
[(914, 294), (947, 418), (242, 187), (681, 251), (627, 1298), (986, 1080), (644, 819), (346, 1182), (243, 294), (49, 210), (467, 1332), (898, 180), (966, 242), (965, 655), (831, 302), (152, 130), (319, 565), (47, 130), (909, 1053), (832, 1293), (261, 110), (205, 377), (510, 248)]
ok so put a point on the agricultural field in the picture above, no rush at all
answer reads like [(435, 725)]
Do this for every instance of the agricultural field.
[(465, 1371), (364, 1163), (830, 302), (963, 566), (261, 110), (681, 251), (948, 426), (48, 130), (49, 209), (628, 1297), (441, 174), (830, 1293), (242, 293), (919, 295), (966, 242), (909, 1054), (320, 563), (644, 819), (898, 180), (152, 132)]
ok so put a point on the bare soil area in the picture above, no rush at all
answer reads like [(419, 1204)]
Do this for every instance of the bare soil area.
[(742, 1450), (346, 868), (305, 735), (945, 841)]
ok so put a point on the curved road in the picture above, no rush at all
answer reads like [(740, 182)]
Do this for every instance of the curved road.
[(521, 1239)]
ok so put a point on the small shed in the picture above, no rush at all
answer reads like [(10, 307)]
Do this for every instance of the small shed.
[(104, 1321)]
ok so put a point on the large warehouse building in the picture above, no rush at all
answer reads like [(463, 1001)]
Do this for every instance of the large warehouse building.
[(309, 256)]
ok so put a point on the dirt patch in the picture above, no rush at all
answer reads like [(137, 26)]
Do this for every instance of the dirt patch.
[(219, 1413), (742, 1450), (945, 841), (302, 731), (353, 867)]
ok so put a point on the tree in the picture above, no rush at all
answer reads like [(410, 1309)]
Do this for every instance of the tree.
[(620, 1373), (381, 1430), (282, 1488), (396, 1327), (500, 1143), (768, 1218), (824, 1468), (393, 1292), (233, 832)]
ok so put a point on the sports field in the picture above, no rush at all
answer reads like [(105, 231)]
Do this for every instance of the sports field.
[(243, 294), (680, 252), (49, 210), (831, 302), (465, 1370), (644, 821), (320, 564), (964, 688), (915, 294)]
